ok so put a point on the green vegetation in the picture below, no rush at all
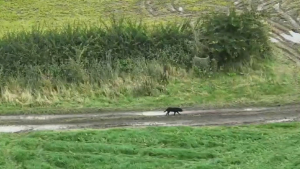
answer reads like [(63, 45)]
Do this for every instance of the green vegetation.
[(270, 146), (235, 39), (126, 64), (278, 83)]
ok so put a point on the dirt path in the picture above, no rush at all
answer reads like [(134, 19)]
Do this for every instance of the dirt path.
[(154, 118)]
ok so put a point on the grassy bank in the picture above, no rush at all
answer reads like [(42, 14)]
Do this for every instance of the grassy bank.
[(278, 83), (259, 146), (127, 65)]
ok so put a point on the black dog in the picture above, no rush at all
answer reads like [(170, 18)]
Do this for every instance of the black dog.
[(173, 109)]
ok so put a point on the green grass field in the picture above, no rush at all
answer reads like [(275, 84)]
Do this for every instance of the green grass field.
[(38, 89), (271, 146)]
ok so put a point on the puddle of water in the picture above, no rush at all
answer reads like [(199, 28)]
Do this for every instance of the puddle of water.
[(153, 113), (12, 129), (149, 124), (19, 128), (293, 37), (290, 36), (256, 109), (274, 40), (279, 121)]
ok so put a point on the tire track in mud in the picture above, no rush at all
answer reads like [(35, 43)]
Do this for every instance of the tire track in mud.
[(190, 117)]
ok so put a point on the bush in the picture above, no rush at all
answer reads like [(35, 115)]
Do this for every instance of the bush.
[(121, 39), (235, 40)]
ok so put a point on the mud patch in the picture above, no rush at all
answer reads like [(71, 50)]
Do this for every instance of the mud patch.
[(61, 127)]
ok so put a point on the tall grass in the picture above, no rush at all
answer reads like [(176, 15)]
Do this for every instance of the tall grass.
[(39, 65)]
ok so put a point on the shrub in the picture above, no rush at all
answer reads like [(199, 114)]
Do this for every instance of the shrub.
[(235, 39)]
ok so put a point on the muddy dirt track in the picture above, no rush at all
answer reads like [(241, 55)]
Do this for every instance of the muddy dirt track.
[(155, 118)]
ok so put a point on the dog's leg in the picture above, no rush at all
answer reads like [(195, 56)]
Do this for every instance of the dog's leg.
[(178, 113), (167, 113)]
